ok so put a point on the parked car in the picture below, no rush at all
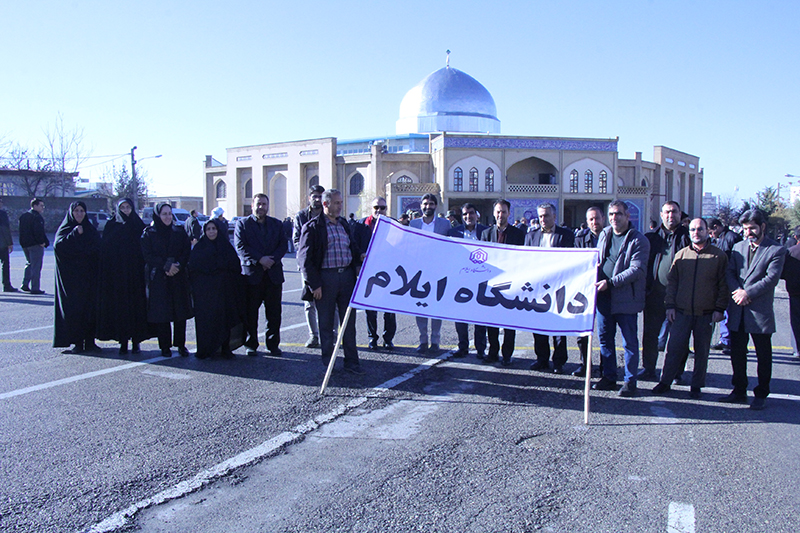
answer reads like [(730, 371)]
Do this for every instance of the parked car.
[(180, 216), (98, 219), (147, 215)]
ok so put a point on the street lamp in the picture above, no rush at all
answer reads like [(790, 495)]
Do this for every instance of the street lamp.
[(134, 180)]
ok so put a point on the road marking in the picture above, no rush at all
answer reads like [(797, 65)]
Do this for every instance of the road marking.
[(681, 518), (25, 330), (269, 447), (168, 375)]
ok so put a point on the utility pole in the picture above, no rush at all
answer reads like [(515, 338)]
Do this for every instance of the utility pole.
[(134, 182)]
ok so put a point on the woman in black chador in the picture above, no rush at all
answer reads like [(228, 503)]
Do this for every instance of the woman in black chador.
[(76, 250), (122, 302), (166, 253), (218, 293)]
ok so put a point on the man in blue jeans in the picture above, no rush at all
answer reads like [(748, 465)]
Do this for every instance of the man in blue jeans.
[(624, 252), (33, 240)]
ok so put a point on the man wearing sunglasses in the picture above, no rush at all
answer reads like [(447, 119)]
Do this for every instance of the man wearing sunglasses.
[(364, 229)]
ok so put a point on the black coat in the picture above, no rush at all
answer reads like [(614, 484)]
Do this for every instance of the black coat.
[(218, 291), (168, 298), (77, 256), (252, 243), (31, 230), (514, 235), (122, 298), (562, 238)]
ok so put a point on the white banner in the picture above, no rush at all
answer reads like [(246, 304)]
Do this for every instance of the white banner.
[(544, 290)]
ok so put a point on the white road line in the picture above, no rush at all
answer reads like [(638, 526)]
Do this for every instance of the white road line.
[(681, 518), (265, 449), (25, 330), (168, 375)]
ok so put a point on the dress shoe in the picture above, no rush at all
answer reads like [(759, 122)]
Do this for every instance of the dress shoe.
[(277, 352), (252, 352), (76, 349), (388, 345), (434, 349), (136, 348), (166, 353), (373, 344), (647, 375), (695, 393), (580, 372), (91, 347), (506, 361), (458, 353), (491, 359), (312, 342), (24, 289), (10, 289), (37, 292), (201, 355), (558, 369), (540, 366), (227, 353), (628, 390), (605, 384), (480, 355), (733, 398), (123, 348), (758, 404), (661, 388), (422, 348), (183, 351), (354, 369)]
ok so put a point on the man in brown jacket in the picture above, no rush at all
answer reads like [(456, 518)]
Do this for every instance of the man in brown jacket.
[(697, 296)]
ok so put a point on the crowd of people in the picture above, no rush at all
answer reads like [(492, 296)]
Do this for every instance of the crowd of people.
[(136, 282)]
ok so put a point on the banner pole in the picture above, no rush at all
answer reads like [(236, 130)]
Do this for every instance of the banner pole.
[(332, 362), (588, 384)]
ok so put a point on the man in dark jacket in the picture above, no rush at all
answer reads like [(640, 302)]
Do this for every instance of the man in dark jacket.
[(6, 247), (504, 233), (791, 273), (724, 239), (363, 232), (259, 242), (620, 296), (665, 242), (193, 227), (329, 257), (33, 240), (549, 235), (313, 210), (595, 221), (470, 230)]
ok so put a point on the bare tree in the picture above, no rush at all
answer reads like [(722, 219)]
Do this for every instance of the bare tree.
[(64, 150)]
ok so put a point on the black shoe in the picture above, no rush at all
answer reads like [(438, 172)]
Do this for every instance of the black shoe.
[(37, 292), (434, 349), (605, 384), (422, 348), (558, 369), (227, 353), (136, 348), (373, 344), (678, 380), (312, 342), (580, 372), (490, 359), (628, 390), (695, 393), (277, 352), (123, 348), (733, 398), (458, 353), (388, 345), (91, 347), (506, 361), (647, 375), (758, 404), (252, 352), (540, 366), (76, 349), (166, 353), (661, 388), (24, 289), (480, 355), (10, 289), (183, 351), (200, 355), (354, 369)]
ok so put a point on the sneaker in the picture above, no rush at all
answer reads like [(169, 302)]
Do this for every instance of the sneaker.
[(628, 390), (758, 404), (733, 398), (661, 388), (605, 384), (312, 342), (647, 375)]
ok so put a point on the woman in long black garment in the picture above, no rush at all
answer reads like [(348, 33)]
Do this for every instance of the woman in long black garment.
[(76, 249), (218, 293), (122, 302), (166, 251)]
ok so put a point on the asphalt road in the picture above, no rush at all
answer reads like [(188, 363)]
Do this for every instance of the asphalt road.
[(142, 443)]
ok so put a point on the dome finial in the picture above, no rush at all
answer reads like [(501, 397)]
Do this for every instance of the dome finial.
[(447, 61)]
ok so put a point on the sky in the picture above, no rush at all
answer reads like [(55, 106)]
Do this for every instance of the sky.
[(716, 79)]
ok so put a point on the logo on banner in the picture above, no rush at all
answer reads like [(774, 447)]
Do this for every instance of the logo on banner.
[(478, 257)]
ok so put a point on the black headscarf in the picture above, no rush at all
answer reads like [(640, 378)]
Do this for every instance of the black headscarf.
[(133, 217), (69, 223), (208, 255)]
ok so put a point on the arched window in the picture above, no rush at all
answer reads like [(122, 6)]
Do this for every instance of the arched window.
[(458, 180), (248, 189), (356, 184), (603, 182), (313, 181), (404, 179), (573, 181), (489, 180), (588, 180), (473, 180), (222, 190), (644, 182)]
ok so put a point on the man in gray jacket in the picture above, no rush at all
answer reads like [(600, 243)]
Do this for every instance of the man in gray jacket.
[(624, 252), (753, 273)]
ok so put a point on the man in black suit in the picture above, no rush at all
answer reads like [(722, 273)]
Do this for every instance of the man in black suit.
[(260, 244), (470, 230), (329, 257), (504, 233), (549, 235)]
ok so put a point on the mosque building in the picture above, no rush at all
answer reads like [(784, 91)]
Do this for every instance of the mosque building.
[(448, 142)]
